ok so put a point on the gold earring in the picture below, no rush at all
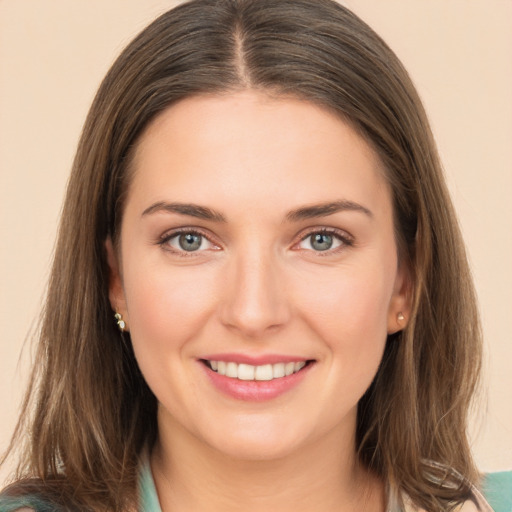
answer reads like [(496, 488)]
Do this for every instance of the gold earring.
[(120, 322), (400, 317)]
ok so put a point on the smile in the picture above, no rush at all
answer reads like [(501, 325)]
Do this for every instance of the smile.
[(255, 379), (248, 372)]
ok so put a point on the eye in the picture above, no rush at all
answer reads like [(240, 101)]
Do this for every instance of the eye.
[(187, 241), (324, 240)]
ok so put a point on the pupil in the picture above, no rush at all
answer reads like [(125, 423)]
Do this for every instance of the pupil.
[(190, 242), (322, 242)]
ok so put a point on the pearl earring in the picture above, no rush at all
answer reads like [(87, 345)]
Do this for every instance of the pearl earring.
[(400, 317), (120, 322)]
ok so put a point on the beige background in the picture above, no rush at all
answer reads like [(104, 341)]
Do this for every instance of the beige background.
[(53, 54)]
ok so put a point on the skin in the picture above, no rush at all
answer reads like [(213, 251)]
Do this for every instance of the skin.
[(258, 286)]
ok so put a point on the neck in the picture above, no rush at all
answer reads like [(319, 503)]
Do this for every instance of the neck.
[(325, 475)]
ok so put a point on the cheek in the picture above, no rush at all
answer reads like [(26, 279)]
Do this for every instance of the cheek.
[(166, 306), (348, 302), (348, 312), (166, 309)]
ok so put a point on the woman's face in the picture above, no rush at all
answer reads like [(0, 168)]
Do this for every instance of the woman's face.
[(258, 272)]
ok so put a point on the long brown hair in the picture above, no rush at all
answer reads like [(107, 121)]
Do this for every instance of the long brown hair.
[(88, 411)]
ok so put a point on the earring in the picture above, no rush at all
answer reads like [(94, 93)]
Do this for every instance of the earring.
[(120, 322), (400, 317)]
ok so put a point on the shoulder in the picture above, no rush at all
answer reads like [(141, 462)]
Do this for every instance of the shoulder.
[(25, 502), (495, 496), (22, 504), (497, 489)]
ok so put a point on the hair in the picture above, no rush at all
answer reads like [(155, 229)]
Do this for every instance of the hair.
[(88, 411)]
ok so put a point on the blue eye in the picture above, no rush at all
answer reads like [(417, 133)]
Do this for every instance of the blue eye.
[(322, 241), (188, 241)]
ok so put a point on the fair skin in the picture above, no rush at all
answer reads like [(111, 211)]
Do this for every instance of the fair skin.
[(249, 273)]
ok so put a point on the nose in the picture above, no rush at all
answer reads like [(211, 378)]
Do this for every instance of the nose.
[(254, 299)]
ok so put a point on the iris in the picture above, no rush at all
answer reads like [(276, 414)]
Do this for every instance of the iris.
[(190, 241), (321, 241)]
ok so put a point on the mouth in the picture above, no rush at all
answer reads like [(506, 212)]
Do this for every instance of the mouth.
[(248, 372)]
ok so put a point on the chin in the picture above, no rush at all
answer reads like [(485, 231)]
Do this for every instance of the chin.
[(254, 438), (256, 448)]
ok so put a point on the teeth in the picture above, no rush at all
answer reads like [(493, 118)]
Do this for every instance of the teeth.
[(264, 372), (245, 371), (250, 372), (299, 366), (278, 370), (232, 370)]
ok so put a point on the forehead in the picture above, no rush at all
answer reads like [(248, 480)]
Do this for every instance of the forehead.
[(248, 145)]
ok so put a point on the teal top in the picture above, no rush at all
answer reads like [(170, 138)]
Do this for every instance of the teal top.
[(497, 489), (147, 490)]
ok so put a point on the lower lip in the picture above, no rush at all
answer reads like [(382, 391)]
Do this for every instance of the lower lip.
[(255, 390)]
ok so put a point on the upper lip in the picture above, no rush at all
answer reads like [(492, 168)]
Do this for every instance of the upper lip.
[(255, 360)]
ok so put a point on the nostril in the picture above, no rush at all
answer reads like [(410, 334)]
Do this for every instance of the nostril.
[(253, 299)]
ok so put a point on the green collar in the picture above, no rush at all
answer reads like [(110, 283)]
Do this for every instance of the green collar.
[(497, 488), (147, 491)]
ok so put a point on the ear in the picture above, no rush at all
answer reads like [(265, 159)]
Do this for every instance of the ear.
[(115, 282), (400, 305)]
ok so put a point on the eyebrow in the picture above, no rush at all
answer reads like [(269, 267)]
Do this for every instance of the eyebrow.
[(324, 209), (303, 213), (192, 210)]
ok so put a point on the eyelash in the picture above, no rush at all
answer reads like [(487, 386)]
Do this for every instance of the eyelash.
[(342, 236), (345, 239), (164, 240)]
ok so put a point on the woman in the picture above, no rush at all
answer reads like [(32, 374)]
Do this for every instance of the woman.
[(260, 297)]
